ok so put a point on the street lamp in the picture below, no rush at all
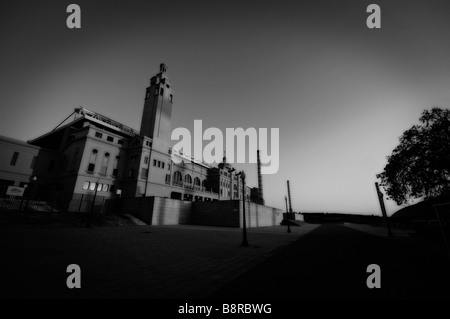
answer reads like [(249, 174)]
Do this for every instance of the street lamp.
[(287, 216), (244, 228)]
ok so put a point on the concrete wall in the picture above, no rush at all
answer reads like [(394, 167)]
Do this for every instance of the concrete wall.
[(157, 210), (259, 215), (229, 214), (164, 211), (217, 213)]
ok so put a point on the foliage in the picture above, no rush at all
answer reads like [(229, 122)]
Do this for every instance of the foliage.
[(419, 167)]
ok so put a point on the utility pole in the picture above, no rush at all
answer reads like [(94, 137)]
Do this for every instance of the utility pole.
[(289, 195), (383, 209), (287, 219)]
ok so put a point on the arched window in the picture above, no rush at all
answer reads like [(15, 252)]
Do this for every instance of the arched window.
[(177, 177), (188, 179), (205, 183), (197, 181)]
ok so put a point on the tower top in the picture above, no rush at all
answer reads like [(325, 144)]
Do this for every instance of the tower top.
[(162, 68)]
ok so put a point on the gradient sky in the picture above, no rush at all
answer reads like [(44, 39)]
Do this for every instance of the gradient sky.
[(340, 93)]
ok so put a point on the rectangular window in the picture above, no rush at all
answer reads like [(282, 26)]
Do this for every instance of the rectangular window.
[(98, 134), (115, 172), (99, 187), (171, 98), (91, 167), (105, 187), (159, 163), (110, 139), (154, 162), (14, 158), (86, 185), (92, 186), (33, 162), (168, 167), (161, 92), (167, 178), (162, 164), (146, 160), (144, 173)]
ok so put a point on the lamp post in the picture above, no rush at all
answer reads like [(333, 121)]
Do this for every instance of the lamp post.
[(244, 228), (287, 216)]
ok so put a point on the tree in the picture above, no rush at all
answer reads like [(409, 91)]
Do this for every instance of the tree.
[(419, 166)]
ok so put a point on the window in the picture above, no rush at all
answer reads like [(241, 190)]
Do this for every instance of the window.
[(14, 158), (115, 167), (167, 178), (144, 173), (99, 187), (105, 187), (92, 186), (177, 176), (159, 163), (33, 162), (148, 143), (197, 181), (168, 167), (161, 91), (91, 167), (147, 94), (188, 179), (98, 134), (131, 173), (171, 98), (85, 185), (146, 160), (162, 165), (110, 139), (112, 188), (154, 162)]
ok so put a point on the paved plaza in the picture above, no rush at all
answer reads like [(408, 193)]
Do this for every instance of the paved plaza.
[(132, 261)]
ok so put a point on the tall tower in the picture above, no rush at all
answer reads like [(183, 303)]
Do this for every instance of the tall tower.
[(156, 117)]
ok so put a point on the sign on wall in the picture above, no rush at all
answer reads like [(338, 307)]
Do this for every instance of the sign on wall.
[(15, 191)]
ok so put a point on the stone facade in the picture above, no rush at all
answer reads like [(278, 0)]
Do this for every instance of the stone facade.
[(92, 155)]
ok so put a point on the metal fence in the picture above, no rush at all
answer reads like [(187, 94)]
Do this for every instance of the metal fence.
[(12, 203)]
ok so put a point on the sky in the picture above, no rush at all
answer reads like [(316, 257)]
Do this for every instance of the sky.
[(340, 93)]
